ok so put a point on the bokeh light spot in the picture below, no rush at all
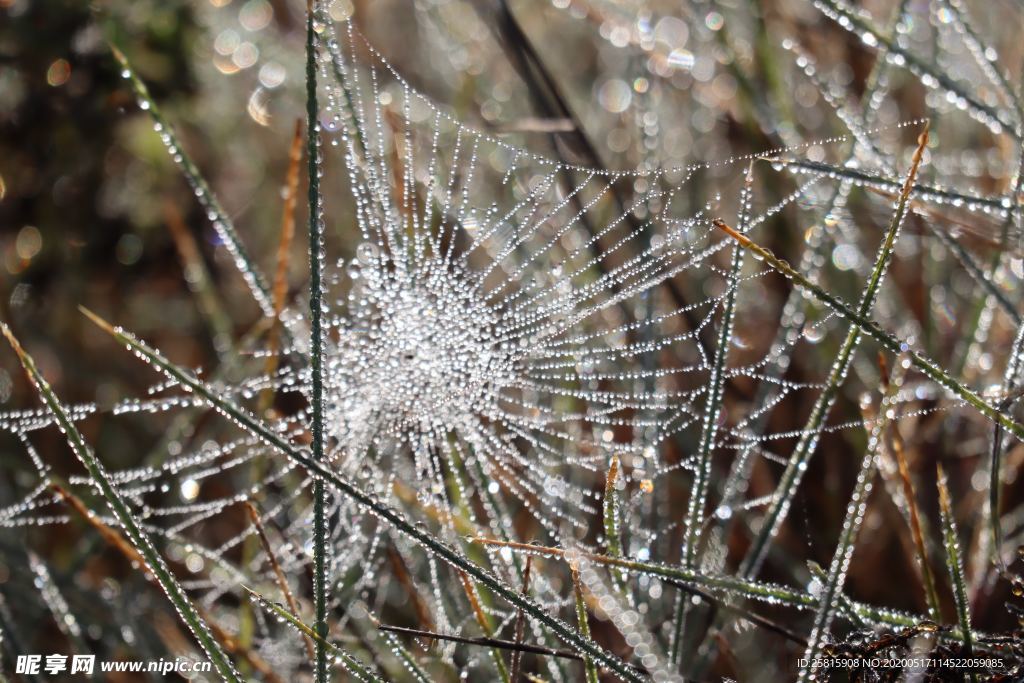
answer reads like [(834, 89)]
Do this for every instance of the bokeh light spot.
[(58, 73)]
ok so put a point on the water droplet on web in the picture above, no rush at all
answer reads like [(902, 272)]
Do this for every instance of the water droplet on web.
[(814, 333)]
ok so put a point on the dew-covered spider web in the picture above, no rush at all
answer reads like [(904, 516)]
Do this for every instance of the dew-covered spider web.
[(510, 325)]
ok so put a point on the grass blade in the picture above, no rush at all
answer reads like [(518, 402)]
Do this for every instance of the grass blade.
[(517, 656), (843, 602), (884, 184), (282, 581), (403, 654), (231, 643), (483, 642), (194, 269), (978, 274), (713, 407), (249, 422), (771, 593), (1010, 375), (316, 346), (850, 20), (138, 538), (988, 65), (954, 562), (709, 428), (485, 624), (794, 315), (280, 290), (914, 515)]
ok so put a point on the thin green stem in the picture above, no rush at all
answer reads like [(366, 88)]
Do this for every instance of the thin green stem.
[(1010, 381), (929, 193), (341, 76), (694, 522), (584, 624), (794, 317), (316, 347), (845, 605), (408, 661)]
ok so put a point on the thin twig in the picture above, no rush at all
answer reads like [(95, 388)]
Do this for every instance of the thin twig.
[(282, 581)]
